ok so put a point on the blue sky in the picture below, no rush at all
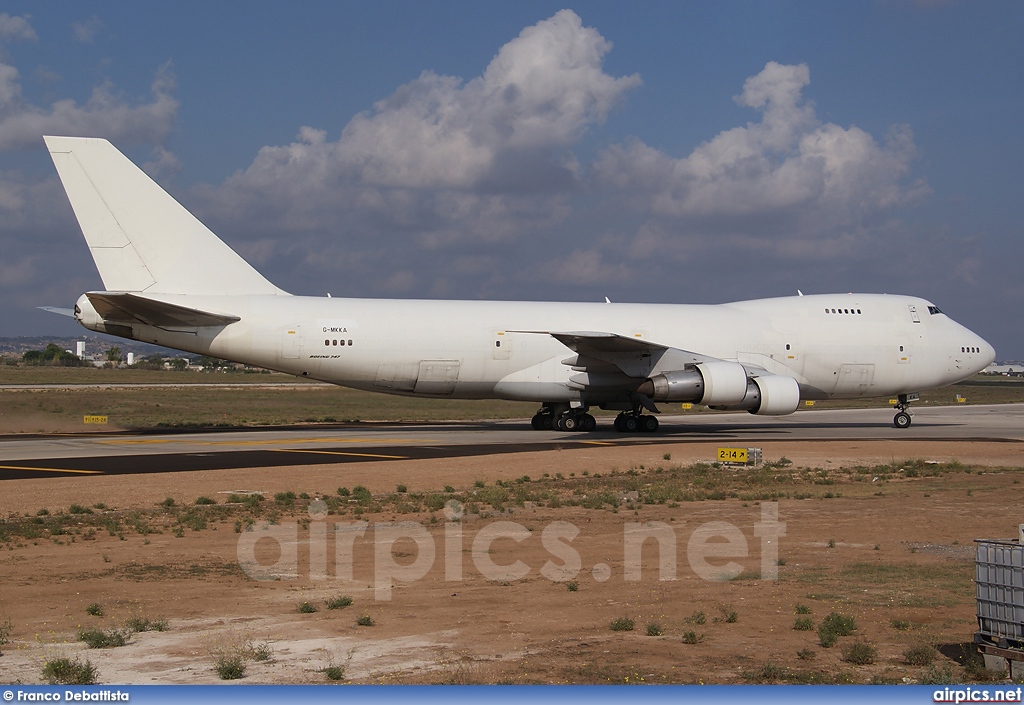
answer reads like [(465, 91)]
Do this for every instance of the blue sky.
[(663, 151)]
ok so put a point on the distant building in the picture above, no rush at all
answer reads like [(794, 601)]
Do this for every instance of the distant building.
[(1011, 370)]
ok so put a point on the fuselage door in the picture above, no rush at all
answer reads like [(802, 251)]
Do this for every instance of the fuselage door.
[(291, 344), (437, 376), (501, 345), (903, 354), (855, 380)]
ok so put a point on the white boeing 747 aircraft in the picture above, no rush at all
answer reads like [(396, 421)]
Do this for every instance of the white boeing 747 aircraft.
[(170, 281)]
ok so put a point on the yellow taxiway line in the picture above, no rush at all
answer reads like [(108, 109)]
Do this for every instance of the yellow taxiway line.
[(281, 441), (336, 452), (78, 472)]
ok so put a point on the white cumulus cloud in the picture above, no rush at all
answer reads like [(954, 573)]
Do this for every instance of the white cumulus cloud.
[(444, 157), (788, 166), (86, 30), (104, 114), (16, 28)]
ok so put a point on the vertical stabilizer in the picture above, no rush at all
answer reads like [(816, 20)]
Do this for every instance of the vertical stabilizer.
[(141, 239)]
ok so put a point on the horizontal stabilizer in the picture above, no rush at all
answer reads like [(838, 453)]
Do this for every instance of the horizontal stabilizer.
[(117, 307), (70, 312)]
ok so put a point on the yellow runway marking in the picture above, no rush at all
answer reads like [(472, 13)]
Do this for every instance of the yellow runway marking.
[(336, 452), (79, 472), (280, 441)]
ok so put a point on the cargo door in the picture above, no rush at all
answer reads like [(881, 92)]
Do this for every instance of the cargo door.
[(855, 380), (437, 376)]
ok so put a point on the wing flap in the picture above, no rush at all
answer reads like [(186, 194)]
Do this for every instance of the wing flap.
[(124, 308), (616, 359)]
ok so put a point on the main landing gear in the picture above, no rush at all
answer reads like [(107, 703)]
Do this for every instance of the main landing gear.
[(634, 422), (903, 415), (551, 418)]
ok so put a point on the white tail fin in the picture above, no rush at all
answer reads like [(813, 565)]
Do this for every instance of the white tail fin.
[(141, 239)]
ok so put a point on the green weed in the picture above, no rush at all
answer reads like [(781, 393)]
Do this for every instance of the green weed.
[(622, 624), (66, 671), (860, 653), (338, 602), (919, 655)]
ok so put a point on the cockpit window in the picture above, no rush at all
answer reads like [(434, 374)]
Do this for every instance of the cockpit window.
[(933, 310)]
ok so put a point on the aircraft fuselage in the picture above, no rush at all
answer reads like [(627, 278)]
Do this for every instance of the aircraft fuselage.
[(873, 345)]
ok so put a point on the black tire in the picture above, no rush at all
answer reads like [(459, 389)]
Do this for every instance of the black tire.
[(537, 422), (630, 424), (588, 423), (901, 420), (618, 424), (649, 424), (568, 423)]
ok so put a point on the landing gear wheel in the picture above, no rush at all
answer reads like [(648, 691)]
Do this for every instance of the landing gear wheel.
[(537, 422), (649, 424), (901, 420), (588, 423), (568, 423), (630, 424)]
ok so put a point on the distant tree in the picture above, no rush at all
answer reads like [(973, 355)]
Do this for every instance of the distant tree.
[(214, 363), (66, 359), (53, 355), (179, 364), (114, 354), (52, 352)]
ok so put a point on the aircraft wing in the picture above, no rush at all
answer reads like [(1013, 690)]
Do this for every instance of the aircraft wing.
[(610, 362), (118, 307)]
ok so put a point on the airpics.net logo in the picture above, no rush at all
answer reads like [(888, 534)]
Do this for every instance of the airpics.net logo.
[(272, 551)]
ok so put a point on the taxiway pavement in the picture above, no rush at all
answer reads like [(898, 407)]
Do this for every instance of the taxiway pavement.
[(130, 453)]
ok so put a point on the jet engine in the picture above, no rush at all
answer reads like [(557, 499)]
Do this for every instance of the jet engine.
[(724, 385), (712, 382), (771, 395)]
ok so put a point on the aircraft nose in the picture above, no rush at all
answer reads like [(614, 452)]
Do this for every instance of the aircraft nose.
[(988, 353)]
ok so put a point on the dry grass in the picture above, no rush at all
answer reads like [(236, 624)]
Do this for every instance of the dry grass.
[(240, 400)]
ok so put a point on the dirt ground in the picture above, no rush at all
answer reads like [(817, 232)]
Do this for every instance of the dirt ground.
[(894, 549)]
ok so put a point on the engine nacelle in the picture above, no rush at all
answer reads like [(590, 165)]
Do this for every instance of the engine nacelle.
[(714, 382), (771, 395)]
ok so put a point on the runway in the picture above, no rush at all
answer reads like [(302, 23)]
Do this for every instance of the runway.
[(148, 452)]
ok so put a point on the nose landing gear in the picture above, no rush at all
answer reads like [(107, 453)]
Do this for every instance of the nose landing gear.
[(904, 415)]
